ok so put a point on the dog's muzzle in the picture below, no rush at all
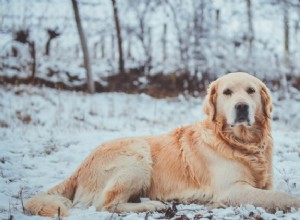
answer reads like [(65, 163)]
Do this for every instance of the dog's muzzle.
[(242, 112)]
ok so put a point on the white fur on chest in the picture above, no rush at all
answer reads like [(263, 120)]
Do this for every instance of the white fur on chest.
[(224, 172)]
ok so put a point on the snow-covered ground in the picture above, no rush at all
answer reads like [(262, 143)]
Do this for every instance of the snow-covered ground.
[(45, 134)]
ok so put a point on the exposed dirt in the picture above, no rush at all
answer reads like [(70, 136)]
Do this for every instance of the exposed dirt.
[(134, 81)]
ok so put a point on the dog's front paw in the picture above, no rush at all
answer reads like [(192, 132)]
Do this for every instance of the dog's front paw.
[(284, 205), (155, 205)]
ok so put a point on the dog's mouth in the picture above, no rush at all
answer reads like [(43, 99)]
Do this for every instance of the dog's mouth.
[(241, 118), (242, 121)]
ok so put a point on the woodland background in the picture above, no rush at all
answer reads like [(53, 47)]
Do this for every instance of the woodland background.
[(160, 47)]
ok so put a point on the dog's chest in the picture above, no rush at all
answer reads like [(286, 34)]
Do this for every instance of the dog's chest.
[(224, 172)]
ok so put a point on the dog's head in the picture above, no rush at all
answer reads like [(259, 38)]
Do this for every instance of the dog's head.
[(238, 100)]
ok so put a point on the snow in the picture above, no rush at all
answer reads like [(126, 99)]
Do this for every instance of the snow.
[(50, 132)]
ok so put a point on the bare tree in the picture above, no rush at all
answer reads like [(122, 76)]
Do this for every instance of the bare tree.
[(182, 50), (250, 26), (286, 31), (102, 46), (119, 37), (129, 44), (217, 20), (113, 47), (144, 31), (83, 42), (164, 43), (284, 84), (198, 20)]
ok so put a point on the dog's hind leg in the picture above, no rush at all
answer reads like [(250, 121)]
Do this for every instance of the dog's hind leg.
[(118, 191), (131, 180), (129, 176)]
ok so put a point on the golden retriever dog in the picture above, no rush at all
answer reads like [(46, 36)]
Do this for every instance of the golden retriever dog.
[(225, 160)]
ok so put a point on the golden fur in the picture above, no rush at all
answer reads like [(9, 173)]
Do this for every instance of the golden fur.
[(210, 162)]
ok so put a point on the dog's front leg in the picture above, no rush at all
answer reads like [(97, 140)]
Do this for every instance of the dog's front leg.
[(242, 194)]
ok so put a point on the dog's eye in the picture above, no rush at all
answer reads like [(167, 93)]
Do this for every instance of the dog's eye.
[(250, 90), (227, 92)]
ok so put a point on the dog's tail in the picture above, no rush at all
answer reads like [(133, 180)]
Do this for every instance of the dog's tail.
[(57, 200)]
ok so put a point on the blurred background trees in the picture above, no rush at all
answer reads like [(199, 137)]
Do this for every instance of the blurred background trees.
[(160, 47)]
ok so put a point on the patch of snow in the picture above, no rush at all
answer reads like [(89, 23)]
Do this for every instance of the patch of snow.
[(45, 125)]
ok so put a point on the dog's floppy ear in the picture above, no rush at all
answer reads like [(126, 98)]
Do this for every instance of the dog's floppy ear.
[(209, 106), (266, 101)]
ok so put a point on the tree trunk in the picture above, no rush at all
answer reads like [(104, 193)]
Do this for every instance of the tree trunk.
[(286, 33), (86, 58), (102, 46), (283, 81), (250, 27), (198, 21), (129, 55), (164, 43), (95, 52), (183, 48), (148, 51), (33, 56), (113, 47), (217, 21), (119, 37)]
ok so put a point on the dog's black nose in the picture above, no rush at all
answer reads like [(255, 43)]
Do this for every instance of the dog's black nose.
[(242, 107), (242, 112)]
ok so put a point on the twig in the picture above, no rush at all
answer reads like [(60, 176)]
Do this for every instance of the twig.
[(10, 216), (147, 215), (285, 178), (58, 213), (112, 214), (21, 198)]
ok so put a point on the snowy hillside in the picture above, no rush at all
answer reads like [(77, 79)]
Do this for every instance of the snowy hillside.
[(45, 134)]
